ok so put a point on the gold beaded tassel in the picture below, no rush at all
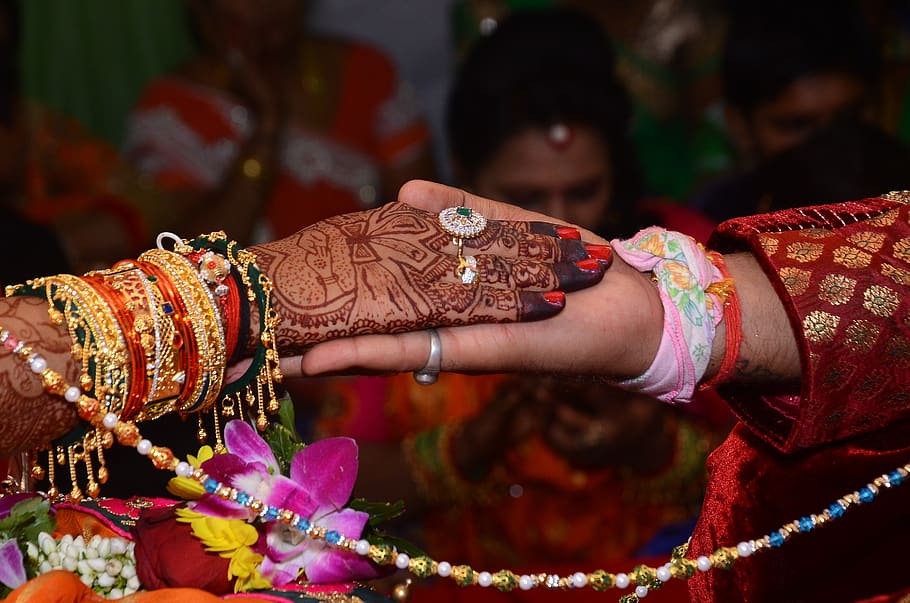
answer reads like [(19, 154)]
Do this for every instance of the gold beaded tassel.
[(270, 373), (53, 492), (219, 441), (102, 441)]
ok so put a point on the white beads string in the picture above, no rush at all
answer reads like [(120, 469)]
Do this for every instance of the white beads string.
[(642, 579)]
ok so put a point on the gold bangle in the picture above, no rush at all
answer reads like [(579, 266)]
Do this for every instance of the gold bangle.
[(98, 341), (206, 326)]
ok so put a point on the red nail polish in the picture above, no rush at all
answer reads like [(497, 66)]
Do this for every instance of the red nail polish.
[(601, 252), (589, 265), (557, 298), (567, 232)]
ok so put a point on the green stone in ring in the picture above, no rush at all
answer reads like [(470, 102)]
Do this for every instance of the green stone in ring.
[(462, 222)]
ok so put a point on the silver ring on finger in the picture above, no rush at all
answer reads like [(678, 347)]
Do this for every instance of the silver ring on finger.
[(430, 371)]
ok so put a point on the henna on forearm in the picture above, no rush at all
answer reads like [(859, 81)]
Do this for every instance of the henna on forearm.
[(28, 416)]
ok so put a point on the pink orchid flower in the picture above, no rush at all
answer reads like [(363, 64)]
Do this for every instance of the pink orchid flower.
[(320, 485), (12, 564)]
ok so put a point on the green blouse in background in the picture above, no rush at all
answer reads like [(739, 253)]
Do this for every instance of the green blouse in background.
[(90, 59)]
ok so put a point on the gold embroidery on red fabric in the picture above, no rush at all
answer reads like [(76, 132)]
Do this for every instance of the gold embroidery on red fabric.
[(886, 219), (851, 257), (795, 280), (836, 289), (880, 300), (804, 252), (902, 249), (816, 233), (898, 275), (898, 349), (899, 196), (861, 335), (769, 244), (819, 327), (869, 241)]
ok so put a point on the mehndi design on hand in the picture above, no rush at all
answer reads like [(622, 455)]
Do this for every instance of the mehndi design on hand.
[(393, 269)]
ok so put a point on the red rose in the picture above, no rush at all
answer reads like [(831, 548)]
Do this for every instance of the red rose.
[(168, 555)]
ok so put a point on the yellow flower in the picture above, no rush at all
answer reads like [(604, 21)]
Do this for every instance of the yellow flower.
[(185, 487), (653, 243), (245, 568), (680, 275), (231, 539)]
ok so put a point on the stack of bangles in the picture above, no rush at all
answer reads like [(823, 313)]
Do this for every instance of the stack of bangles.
[(153, 336)]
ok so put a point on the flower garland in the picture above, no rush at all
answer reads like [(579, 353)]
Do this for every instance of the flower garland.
[(106, 565)]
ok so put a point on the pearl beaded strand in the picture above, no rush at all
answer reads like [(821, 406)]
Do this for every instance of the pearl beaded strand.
[(642, 578)]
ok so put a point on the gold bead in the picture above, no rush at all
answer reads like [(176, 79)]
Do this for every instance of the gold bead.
[(161, 457), (402, 592), (86, 382), (202, 435), (75, 494), (53, 382), (422, 567), (103, 475), (107, 439), (463, 575), (38, 472), (87, 407), (380, 554), (53, 492), (127, 434), (93, 489), (262, 423)]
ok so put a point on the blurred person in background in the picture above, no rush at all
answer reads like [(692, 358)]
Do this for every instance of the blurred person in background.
[(266, 121), (64, 190), (789, 71), (668, 59)]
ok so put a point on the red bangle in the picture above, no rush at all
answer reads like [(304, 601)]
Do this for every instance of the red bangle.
[(230, 308), (733, 326)]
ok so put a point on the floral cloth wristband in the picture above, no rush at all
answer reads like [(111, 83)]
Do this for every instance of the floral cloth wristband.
[(683, 272)]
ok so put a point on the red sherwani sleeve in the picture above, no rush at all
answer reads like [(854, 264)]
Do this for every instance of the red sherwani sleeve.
[(843, 274)]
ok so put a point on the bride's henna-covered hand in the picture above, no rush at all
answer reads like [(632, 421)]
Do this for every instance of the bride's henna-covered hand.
[(393, 269), (610, 329)]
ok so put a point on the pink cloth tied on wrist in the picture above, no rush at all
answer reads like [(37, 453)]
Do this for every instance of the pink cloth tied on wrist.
[(683, 272)]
